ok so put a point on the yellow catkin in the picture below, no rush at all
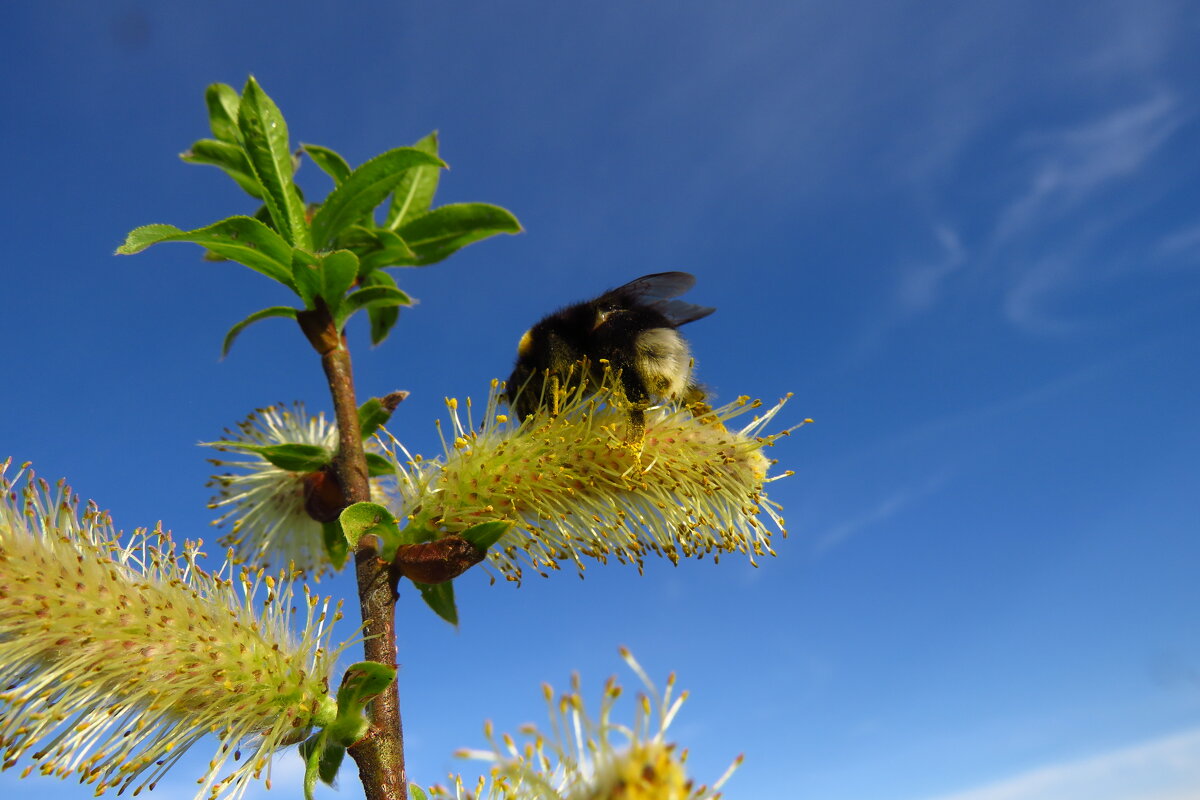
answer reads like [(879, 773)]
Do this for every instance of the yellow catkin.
[(574, 488), (135, 652)]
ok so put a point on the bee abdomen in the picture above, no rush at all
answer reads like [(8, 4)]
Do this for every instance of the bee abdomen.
[(664, 361)]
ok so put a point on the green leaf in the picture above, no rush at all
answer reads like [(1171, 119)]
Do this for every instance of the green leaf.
[(360, 239), (294, 457), (362, 519), (241, 239), (331, 762), (322, 758), (273, 311), (416, 792), (228, 157), (329, 161), (360, 685), (222, 101), (362, 682), (339, 269), (383, 318), (310, 751), (371, 415), (414, 194), (440, 597), (441, 232), (365, 188), (291, 457), (391, 252), (335, 543), (307, 277), (265, 140), (377, 465), (375, 248), (486, 534), (374, 297)]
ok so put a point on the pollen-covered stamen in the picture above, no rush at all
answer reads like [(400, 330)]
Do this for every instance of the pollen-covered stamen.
[(274, 514), (575, 489), (116, 656), (585, 758)]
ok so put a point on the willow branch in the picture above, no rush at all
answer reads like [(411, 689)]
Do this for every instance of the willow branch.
[(380, 755)]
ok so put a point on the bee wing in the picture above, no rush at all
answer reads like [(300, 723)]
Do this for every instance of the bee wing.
[(680, 312), (650, 289), (658, 290)]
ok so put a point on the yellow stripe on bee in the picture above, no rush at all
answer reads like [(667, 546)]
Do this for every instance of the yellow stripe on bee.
[(526, 343)]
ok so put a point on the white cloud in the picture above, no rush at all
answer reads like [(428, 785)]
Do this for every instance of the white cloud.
[(1026, 299), (1167, 768), (922, 284), (1180, 242), (1076, 162), (1078, 170), (890, 506)]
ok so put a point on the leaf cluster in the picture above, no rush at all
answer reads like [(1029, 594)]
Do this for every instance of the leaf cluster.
[(371, 519), (323, 751), (331, 254)]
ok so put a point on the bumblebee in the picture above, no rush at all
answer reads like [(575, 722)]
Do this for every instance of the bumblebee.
[(631, 329)]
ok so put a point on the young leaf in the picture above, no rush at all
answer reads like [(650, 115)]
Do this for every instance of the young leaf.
[(331, 762), (486, 534), (307, 277), (222, 101), (362, 682), (371, 415), (363, 519), (365, 188), (310, 751), (329, 161), (373, 297), (273, 311), (335, 543), (416, 792), (387, 250), (439, 233), (440, 597), (377, 465), (228, 157), (241, 239), (264, 137), (338, 269), (291, 457), (383, 318), (414, 194)]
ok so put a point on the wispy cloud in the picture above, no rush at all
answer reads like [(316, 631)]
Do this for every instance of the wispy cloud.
[(891, 505), (1166, 768), (1025, 303), (1076, 186), (1073, 163), (1076, 170), (921, 284), (1180, 242)]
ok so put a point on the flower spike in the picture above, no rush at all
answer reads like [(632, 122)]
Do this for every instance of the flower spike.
[(118, 654), (573, 488), (585, 758), (271, 509)]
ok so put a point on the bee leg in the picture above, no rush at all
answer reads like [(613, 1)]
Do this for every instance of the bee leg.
[(637, 428), (555, 395), (637, 400), (696, 401)]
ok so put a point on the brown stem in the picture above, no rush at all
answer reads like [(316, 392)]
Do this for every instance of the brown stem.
[(380, 755)]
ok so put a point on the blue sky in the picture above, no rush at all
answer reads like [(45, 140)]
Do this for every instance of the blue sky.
[(966, 236)]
